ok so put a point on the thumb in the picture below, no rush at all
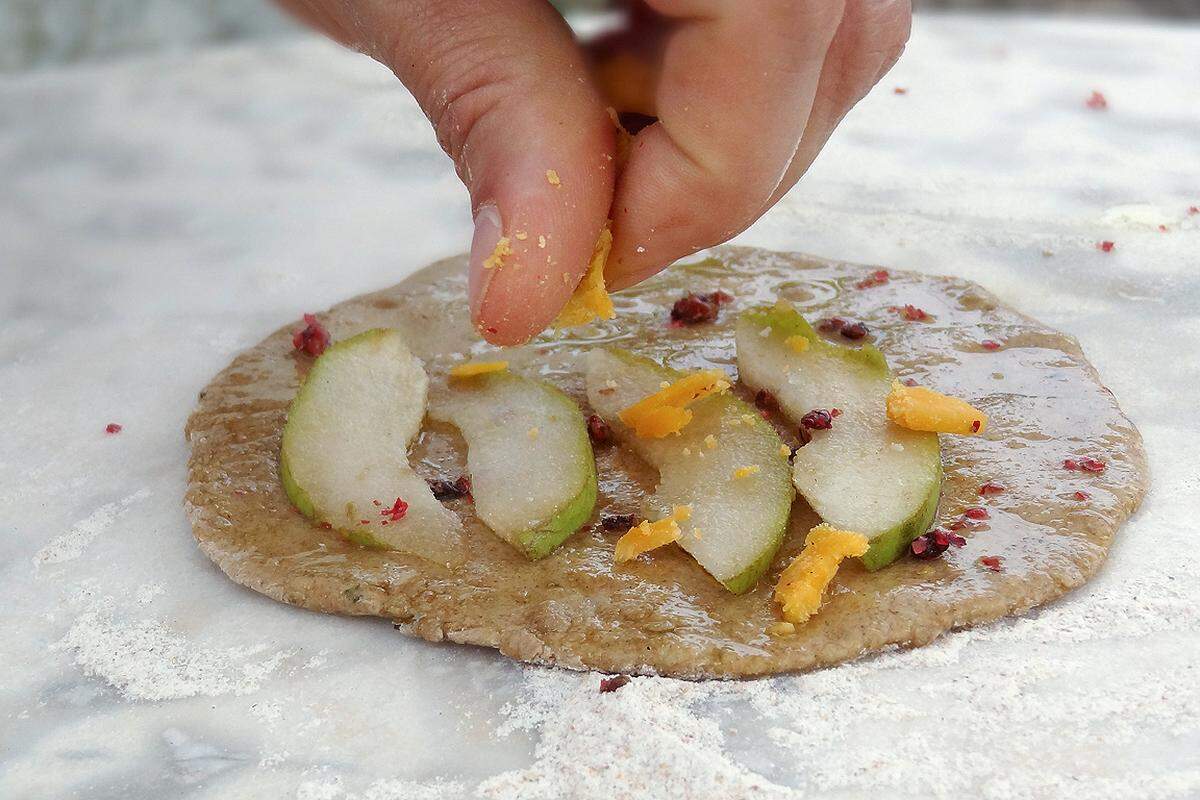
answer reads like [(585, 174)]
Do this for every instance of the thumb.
[(506, 88)]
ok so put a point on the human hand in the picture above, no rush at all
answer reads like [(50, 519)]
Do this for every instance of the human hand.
[(745, 94)]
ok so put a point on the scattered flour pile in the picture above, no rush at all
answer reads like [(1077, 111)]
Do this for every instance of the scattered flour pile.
[(646, 736), (71, 544), (1001, 713), (332, 789), (146, 660)]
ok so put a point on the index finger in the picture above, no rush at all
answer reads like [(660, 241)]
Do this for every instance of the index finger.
[(734, 97)]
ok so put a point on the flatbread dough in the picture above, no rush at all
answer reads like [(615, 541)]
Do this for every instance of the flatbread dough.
[(662, 613)]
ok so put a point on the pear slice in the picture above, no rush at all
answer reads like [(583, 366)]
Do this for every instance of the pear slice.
[(865, 474), (344, 459), (727, 464), (533, 474)]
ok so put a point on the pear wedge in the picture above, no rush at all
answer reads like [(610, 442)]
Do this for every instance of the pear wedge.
[(344, 461), (727, 464), (865, 474), (533, 474)]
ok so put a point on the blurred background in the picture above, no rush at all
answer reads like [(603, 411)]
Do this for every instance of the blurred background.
[(42, 32)]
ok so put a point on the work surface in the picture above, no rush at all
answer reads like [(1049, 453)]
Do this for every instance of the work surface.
[(159, 215)]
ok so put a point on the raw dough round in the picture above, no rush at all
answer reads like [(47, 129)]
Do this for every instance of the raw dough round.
[(663, 614)]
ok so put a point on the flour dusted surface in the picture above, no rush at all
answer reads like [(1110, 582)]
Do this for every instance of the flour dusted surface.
[(1094, 697)]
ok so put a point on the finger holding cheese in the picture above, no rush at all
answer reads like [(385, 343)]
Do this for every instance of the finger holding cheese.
[(590, 301), (735, 524)]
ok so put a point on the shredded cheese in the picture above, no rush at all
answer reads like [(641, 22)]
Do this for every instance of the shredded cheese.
[(921, 409), (552, 178), (474, 368), (798, 343), (665, 412), (502, 249), (746, 472), (781, 628), (803, 583), (590, 300), (647, 535)]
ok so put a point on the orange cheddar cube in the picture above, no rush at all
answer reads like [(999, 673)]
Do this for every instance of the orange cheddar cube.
[(921, 409), (647, 535), (802, 585), (665, 412), (590, 300)]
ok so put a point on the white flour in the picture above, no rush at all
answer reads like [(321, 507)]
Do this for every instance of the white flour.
[(1004, 700), (145, 660), (988, 162), (332, 789), (71, 544)]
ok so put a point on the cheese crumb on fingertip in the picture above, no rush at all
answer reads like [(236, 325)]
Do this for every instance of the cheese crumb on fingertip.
[(502, 249)]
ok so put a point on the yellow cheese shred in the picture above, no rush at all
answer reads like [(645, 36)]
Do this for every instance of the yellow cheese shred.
[(921, 409), (590, 300), (798, 343), (647, 535), (804, 581), (502, 250), (781, 628), (474, 368), (665, 412)]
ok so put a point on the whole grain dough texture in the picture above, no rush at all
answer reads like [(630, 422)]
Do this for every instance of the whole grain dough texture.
[(1050, 527)]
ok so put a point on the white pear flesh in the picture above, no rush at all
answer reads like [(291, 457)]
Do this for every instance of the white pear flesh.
[(865, 474), (533, 474), (736, 523), (344, 456)]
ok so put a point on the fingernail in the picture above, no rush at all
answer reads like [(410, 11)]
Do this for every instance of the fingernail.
[(488, 230)]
